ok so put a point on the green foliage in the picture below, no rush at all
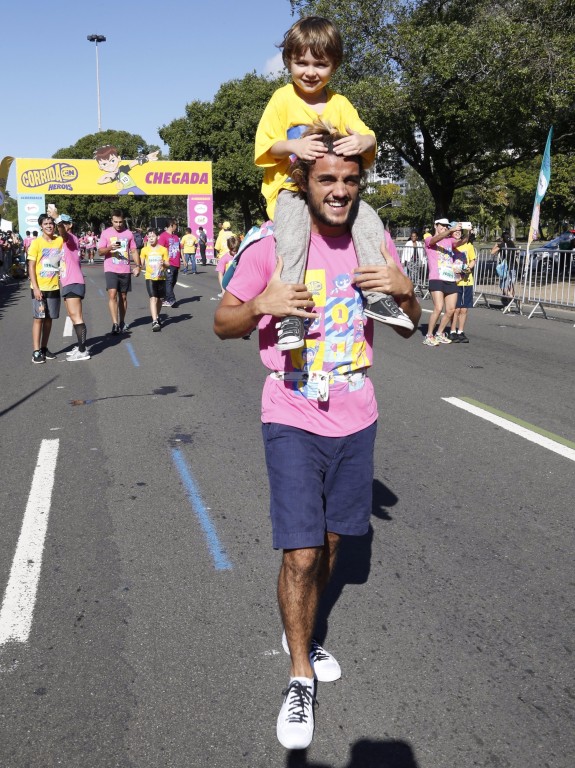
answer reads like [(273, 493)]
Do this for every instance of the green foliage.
[(10, 212), (91, 211), (507, 197), (457, 89), (223, 131), (417, 207)]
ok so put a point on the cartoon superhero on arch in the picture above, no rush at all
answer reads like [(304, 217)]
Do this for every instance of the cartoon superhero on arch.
[(116, 169)]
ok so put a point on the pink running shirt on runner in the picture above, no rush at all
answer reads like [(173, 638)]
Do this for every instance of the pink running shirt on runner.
[(121, 261), (223, 262), (70, 269), (339, 340), (440, 259), (172, 244)]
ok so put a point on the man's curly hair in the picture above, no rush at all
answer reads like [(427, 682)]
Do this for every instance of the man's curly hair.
[(328, 135)]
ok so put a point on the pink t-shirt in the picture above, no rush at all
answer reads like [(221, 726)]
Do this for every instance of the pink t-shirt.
[(70, 270), (339, 340), (172, 244), (440, 259), (120, 261), (222, 264)]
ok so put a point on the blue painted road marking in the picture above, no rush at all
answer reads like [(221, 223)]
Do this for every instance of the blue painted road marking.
[(130, 349), (221, 561)]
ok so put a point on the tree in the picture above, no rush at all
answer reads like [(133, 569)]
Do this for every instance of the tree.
[(223, 131), (89, 211), (457, 88), (10, 212)]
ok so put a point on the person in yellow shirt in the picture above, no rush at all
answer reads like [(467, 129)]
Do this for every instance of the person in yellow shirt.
[(156, 259), (44, 255), (221, 246), (463, 257), (312, 51), (189, 245)]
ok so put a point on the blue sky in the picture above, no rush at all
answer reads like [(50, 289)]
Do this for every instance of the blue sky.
[(157, 57)]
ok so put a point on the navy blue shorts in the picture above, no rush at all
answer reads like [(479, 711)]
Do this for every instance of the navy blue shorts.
[(464, 296), (318, 484)]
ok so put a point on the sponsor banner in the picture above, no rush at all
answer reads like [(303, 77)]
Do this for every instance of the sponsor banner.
[(4, 170), (29, 208), (112, 175), (201, 214)]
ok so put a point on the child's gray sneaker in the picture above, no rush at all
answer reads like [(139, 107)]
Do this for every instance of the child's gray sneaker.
[(385, 310), (291, 333)]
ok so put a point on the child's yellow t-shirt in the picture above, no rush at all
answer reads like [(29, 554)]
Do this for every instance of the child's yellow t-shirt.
[(156, 259), (46, 255), (287, 116)]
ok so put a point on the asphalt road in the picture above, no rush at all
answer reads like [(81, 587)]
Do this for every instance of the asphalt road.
[(155, 638)]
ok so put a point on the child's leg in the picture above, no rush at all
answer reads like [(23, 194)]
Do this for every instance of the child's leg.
[(368, 233), (292, 233), (154, 308)]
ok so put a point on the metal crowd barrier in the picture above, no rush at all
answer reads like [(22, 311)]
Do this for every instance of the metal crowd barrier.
[(547, 281)]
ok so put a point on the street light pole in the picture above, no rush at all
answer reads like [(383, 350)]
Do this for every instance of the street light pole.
[(98, 39)]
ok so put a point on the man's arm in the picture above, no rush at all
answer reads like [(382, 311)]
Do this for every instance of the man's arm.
[(234, 318), (436, 238), (136, 259)]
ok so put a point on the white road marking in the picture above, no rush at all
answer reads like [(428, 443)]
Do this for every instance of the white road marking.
[(20, 597), (563, 449), (182, 285)]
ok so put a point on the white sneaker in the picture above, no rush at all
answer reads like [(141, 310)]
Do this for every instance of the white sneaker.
[(72, 351), (295, 721), (325, 666), (79, 356)]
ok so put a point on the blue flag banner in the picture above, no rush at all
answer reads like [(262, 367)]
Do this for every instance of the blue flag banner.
[(542, 184)]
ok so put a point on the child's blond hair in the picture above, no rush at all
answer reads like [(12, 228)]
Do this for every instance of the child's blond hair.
[(320, 35)]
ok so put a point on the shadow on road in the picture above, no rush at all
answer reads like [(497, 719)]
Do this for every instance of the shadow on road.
[(354, 558), (179, 302), (365, 753), (27, 397), (9, 294)]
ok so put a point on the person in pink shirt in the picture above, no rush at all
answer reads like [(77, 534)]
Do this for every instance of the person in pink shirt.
[(72, 285), (442, 280), (117, 245), (171, 242), (319, 412), (224, 261), (26, 242)]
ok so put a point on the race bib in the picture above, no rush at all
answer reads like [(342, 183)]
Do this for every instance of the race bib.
[(445, 269)]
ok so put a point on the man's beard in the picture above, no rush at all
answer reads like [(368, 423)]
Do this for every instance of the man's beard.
[(317, 213)]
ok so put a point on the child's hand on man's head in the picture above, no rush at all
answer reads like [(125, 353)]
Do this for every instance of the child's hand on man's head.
[(310, 147), (354, 144)]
